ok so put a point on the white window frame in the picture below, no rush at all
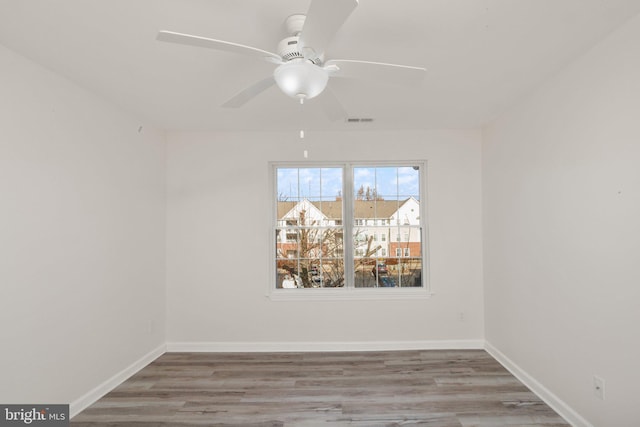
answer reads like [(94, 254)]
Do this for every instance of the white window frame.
[(349, 292)]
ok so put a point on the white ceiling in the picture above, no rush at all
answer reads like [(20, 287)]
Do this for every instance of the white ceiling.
[(481, 56)]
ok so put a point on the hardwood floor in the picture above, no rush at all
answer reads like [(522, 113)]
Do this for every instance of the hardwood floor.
[(427, 388)]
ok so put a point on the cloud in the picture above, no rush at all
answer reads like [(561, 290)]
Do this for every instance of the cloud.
[(362, 172), (407, 176)]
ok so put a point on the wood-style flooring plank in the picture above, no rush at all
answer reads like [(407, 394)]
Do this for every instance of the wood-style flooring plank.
[(465, 388)]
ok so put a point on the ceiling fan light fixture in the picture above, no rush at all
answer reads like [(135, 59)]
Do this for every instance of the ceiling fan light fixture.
[(300, 78)]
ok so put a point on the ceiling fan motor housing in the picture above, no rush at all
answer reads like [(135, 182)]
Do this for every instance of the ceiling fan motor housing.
[(288, 49)]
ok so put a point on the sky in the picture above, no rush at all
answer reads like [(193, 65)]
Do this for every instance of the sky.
[(391, 183)]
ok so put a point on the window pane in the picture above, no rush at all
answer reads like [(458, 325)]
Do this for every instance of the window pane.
[(329, 273), (387, 205), (406, 265), (295, 184), (309, 237), (387, 196)]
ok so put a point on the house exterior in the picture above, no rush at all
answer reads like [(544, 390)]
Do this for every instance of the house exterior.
[(389, 230)]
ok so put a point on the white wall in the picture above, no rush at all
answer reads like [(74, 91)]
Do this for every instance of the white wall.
[(81, 237), (218, 233), (561, 189)]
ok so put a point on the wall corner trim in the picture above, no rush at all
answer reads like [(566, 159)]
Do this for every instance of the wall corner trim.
[(83, 402), (558, 405)]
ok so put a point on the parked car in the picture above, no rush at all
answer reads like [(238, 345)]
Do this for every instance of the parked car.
[(380, 269), (386, 282), (292, 281)]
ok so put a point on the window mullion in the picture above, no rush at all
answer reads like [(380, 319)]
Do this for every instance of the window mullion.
[(347, 222)]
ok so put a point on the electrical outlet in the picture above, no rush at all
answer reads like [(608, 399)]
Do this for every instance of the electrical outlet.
[(598, 387)]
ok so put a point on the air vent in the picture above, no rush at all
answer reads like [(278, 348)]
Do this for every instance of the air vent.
[(359, 120)]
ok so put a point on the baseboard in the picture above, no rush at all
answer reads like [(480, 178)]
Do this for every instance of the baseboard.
[(323, 346), (564, 410), (92, 396)]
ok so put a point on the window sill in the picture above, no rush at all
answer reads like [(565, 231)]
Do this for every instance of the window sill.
[(342, 294)]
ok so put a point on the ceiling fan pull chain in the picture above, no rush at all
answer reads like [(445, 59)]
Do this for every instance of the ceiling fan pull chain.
[(301, 118)]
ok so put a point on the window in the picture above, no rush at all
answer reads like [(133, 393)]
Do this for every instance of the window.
[(291, 237), (325, 240)]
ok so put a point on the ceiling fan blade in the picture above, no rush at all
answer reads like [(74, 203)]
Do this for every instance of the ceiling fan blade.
[(324, 19), (249, 93), (189, 40), (389, 73), (332, 106)]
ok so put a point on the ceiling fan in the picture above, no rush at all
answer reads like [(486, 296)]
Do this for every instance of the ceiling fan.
[(302, 71)]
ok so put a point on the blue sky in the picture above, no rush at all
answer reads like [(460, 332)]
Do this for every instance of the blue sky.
[(392, 183)]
